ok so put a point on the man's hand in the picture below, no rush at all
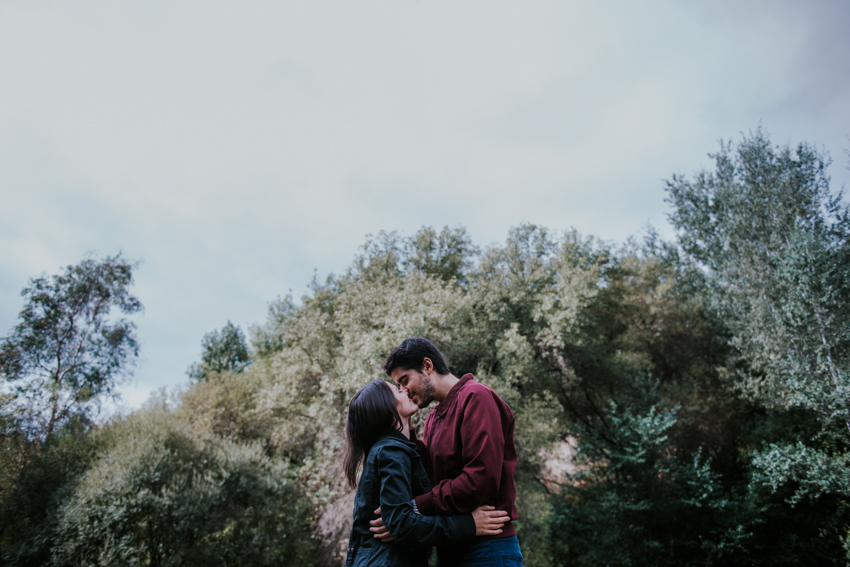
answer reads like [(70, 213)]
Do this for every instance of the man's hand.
[(379, 529), (488, 520)]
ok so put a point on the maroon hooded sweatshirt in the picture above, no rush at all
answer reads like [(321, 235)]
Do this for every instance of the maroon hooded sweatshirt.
[(469, 454)]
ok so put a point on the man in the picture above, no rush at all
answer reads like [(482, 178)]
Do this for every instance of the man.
[(467, 449)]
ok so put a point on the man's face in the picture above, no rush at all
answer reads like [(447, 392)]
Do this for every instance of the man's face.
[(417, 385)]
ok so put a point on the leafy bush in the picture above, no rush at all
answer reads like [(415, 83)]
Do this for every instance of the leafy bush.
[(162, 494)]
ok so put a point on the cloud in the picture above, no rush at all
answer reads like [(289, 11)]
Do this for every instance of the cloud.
[(236, 148)]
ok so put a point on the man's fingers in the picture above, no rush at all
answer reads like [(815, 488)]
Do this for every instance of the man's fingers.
[(492, 532), (378, 511), (494, 525)]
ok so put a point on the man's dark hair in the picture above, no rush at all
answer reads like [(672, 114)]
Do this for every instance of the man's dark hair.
[(410, 354)]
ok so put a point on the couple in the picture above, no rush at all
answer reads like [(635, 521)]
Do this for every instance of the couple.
[(453, 489)]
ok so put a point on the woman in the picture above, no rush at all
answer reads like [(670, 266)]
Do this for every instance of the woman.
[(378, 439)]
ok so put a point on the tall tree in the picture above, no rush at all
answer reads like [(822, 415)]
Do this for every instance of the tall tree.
[(67, 353), (224, 351), (447, 254), (775, 241)]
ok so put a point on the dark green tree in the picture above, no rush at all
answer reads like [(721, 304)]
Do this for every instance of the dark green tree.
[(446, 254), (162, 493), (68, 352), (35, 478), (635, 501), (224, 351), (774, 242)]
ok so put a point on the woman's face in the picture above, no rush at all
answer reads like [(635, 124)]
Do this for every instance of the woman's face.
[(404, 405)]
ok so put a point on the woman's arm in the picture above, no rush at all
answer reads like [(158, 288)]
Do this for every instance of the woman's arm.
[(407, 527)]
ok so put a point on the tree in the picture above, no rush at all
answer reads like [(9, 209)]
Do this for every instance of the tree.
[(774, 241), (162, 493), (67, 353), (634, 501), (224, 351), (36, 478), (447, 254)]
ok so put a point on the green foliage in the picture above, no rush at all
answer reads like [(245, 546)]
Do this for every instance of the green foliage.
[(676, 403), (447, 255), (36, 478), (163, 494), (66, 353), (635, 501), (775, 241), (224, 351), (556, 325)]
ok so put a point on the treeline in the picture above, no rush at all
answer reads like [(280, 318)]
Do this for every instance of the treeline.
[(677, 403)]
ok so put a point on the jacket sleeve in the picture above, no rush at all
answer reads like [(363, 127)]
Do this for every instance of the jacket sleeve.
[(483, 457), (407, 527)]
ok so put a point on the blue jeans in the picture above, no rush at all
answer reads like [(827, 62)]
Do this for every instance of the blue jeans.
[(499, 552)]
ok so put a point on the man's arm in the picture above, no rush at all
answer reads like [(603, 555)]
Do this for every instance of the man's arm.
[(483, 457)]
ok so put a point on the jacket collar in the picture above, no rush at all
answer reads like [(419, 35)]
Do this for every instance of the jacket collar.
[(443, 406), (396, 435)]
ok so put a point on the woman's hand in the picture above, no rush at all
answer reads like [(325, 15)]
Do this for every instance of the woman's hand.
[(488, 520)]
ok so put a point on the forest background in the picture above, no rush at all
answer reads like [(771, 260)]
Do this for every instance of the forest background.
[(679, 402)]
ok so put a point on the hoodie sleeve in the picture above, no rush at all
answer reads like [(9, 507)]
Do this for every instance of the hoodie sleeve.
[(407, 527)]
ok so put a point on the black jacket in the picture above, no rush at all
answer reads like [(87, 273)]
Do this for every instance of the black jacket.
[(392, 476)]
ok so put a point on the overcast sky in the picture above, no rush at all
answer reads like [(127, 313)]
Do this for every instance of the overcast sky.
[(237, 147)]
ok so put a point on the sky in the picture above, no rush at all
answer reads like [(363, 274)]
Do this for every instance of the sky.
[(237, 149)]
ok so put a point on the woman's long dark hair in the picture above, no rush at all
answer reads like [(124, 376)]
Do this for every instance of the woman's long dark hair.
[(372, 412)]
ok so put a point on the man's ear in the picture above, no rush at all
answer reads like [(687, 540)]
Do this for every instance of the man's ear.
[(427, 366)]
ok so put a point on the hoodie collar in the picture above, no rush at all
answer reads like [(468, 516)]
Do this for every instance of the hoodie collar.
[(443, 406)]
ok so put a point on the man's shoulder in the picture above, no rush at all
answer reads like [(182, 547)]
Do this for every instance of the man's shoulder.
[(474, 389)]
